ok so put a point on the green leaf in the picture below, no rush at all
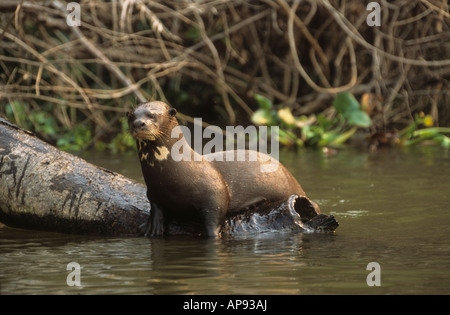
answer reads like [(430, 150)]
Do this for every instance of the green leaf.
[(324, 122), (359, 118), (445, 141), (263, 102), (286, 138), (340, 139), (432, 131), (426, 133), (262, 117), (345, 103), (326, 138)]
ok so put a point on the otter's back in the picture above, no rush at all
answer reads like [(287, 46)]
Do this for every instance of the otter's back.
[(248, 184)]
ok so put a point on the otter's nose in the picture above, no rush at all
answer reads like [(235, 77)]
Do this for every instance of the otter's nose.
[(138, 124)]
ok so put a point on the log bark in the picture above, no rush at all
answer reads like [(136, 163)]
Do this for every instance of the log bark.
[(47, 189), (44, 188)]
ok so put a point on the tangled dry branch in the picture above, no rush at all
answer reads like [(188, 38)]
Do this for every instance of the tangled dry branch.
[(220, 53)]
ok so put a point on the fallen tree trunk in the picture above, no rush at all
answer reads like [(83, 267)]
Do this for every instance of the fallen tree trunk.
[(44, 188), (47, 189)]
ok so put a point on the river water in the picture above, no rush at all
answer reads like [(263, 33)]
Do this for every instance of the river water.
[(393, 207)]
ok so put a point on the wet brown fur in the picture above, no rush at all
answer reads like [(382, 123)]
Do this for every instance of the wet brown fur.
[(199, 193)]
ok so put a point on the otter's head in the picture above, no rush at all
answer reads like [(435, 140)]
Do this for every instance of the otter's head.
[(152, 121)]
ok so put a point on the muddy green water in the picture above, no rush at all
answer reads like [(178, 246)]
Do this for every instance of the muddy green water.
[(393, 207)]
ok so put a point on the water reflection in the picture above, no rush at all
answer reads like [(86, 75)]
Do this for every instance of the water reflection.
[(268, 263)]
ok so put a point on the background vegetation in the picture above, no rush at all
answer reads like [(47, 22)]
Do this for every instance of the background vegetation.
[(314, 66)]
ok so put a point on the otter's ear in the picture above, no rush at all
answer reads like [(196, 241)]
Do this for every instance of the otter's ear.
[(172, 111)]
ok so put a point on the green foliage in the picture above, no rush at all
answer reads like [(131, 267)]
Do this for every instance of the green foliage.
[(122, 142), (192, 33), (41, 122), (314, 131), (413, 134), (320, 131), (263, 102), (72, 139), (350, 109)]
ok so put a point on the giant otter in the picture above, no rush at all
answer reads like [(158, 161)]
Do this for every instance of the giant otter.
[(202, 191)]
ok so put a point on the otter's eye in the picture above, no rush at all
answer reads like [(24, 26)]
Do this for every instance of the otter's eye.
[(150, 115)]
